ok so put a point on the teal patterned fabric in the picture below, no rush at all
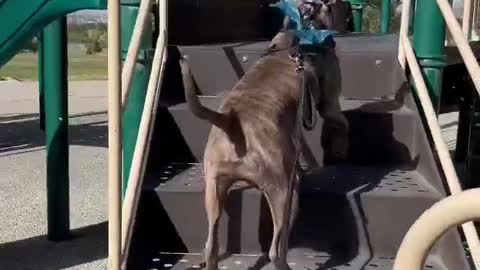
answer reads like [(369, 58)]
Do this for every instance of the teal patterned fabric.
[(306, 36)]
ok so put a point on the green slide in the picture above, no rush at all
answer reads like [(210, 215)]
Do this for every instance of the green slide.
[(21, 20)]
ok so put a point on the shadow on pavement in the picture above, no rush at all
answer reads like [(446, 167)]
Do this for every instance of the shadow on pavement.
[(88, 244), (22, 132)]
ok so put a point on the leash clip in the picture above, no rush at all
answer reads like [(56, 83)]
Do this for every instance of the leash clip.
[(298, 62)]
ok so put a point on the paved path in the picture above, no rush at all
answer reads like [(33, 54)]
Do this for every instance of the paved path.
[(22, 180)]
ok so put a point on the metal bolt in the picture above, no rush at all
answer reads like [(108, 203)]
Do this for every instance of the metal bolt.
[(245, 59)]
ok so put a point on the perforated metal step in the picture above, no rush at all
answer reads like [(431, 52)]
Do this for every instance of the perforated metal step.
[(346, 207), (296, 260)]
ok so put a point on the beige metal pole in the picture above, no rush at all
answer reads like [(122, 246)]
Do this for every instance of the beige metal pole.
[(467, 17), (432, 224), (406, 10), (461, 41), (114, 137), (143, 139), (133, 48), (441, 147)]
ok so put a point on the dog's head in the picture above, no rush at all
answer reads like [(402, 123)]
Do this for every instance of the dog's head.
[(316, 14)]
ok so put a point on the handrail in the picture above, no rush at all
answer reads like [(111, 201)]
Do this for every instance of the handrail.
[(133, 48), (114, 137), (462, 42), (441, 147), (467, 18), (131, 199), (474, 71), (404, 21), (432, 224)]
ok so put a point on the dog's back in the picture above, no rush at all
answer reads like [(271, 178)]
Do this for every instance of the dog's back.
[(262, 109)]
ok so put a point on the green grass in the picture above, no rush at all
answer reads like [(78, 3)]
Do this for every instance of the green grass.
[(80, 66)]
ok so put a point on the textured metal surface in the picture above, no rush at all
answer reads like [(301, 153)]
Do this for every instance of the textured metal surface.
[(296, 261), (377, 55), (211, 21), (389, 136), (340, 193)]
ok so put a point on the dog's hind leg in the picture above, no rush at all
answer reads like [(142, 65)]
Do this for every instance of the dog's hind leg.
[(215, 194), (277, 199)]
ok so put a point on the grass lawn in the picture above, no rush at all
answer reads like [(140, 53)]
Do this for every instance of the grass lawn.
[(80, 66)]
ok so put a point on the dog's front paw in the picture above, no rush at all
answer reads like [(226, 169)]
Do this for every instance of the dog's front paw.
[(339, 149), (336, 147)]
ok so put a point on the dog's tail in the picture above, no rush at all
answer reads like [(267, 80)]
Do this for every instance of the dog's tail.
[(218, 119)]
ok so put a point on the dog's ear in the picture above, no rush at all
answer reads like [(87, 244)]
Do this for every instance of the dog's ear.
[(323, 18)]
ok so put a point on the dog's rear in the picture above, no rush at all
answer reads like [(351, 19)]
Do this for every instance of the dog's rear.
[(251, 141)]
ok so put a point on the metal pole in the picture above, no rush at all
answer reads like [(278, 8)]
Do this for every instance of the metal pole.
[(428, 42), (114, 137), (357, 10), (140, 156), (134, 102), (467, 18), (441, 148), (41, 86), (54, 48), (385, 17), (446, 214)]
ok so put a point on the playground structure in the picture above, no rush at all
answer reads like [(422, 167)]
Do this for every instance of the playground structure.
[(353, 215)]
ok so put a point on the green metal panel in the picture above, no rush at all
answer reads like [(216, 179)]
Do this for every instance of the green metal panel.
[(357, 10), (56, 111), (429, 46), (134, 107), (20, 20), (385, 17)]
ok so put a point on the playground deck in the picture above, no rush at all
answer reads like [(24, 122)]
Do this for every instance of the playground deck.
[(23, 243)]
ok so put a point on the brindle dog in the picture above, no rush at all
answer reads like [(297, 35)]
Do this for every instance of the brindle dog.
[(253, 137)]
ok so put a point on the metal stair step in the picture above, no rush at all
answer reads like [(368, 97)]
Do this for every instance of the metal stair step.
[(387, 134), (336, 203), (297, 260)]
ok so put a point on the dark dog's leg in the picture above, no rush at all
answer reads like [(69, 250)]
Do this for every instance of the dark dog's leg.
[(336, 127), (215, 193)]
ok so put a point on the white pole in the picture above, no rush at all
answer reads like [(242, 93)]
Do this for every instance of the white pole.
[(441, 147), (432, 224), (135, 179), (406, 10), (133, 48), (467, 17), (114, 137), (461, 41)]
